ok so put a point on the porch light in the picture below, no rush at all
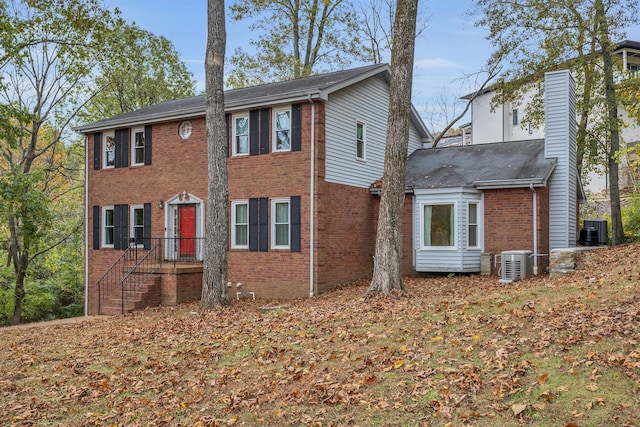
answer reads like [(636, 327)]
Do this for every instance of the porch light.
[(160, 204)]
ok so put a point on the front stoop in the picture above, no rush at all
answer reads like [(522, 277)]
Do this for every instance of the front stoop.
[(147, 296)]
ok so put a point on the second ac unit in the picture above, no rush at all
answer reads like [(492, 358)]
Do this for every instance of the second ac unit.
[(515, 265)]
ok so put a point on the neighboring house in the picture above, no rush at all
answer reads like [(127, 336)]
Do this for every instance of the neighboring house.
[(463, 202), (302, 155), (505, 122)]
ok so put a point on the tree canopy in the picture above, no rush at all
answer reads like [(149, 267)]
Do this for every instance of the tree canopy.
[(58, 66), (297, 38)]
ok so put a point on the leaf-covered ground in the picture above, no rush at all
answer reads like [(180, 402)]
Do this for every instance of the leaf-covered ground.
[(456, 351)]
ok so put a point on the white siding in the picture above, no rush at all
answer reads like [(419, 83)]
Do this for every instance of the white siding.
[(367, 102), (497, 126), (560, 124), (458, 259)]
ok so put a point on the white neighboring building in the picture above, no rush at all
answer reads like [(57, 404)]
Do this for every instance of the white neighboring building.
[(505, 122)]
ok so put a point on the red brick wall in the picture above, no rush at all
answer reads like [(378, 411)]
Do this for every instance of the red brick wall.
[(345, 235), (276, 273), (508, 221), (177, 165), (342, 212)]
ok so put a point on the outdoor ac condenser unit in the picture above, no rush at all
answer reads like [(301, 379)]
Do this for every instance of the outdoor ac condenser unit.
[(515, 265)]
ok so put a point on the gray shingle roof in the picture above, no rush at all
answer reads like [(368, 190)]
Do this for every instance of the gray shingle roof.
[(318, 87), (497, 165)]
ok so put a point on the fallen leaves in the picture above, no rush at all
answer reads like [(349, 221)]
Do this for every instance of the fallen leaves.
[(459, 350)]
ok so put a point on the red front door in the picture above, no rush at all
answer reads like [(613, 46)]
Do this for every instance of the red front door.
[(187, 219)]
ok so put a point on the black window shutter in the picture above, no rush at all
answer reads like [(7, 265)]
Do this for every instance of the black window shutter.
[(254, 133), (124, 225), (147, 144), (296, 127), (227, 118), (117, 142), (147, 226), (96, 227), (264, 224), (295, 223), (117, 231), (121, 226), (253, 224), (125, 147), (97, 150), (265, 130)]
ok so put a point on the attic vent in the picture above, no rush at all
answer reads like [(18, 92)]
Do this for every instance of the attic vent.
[(515, 265)]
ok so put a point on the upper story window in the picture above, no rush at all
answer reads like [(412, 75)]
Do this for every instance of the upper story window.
[(360, 141), (109, 150), (108, 228), (240, 224), (282, 130), (280, 224), (138, 146), (514, 117), (240, 134)]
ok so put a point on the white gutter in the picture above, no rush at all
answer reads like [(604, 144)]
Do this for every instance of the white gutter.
[(86, 226), (509, 183), (312, 197), (535, 229)]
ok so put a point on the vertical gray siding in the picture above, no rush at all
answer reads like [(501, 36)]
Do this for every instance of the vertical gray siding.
[(560, 125), (367, 102)]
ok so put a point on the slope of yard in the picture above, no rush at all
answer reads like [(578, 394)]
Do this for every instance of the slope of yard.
[(456, 351)]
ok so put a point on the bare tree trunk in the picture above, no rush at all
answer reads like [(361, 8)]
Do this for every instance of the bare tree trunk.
[(387, 269), (18, 298), (214, 278), (613, 125)]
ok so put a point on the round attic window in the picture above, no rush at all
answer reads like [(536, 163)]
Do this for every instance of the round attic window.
[(185, 129)]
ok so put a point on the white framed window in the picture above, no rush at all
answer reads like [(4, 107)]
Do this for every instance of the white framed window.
[(137, 147), (108, 227), (109, 150), (280, 224), (438, 225), (282, 129), (240, 224), (360, 140), (473, 229), (514, 117), (137, 224), (240, 134)]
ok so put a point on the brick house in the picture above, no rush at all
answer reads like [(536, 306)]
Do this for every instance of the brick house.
[(302, 155)]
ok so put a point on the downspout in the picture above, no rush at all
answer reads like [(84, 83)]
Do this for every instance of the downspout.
[(535, 229), (86, 227), (312, 181)]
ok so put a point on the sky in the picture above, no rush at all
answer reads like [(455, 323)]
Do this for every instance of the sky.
[(450, 47)]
